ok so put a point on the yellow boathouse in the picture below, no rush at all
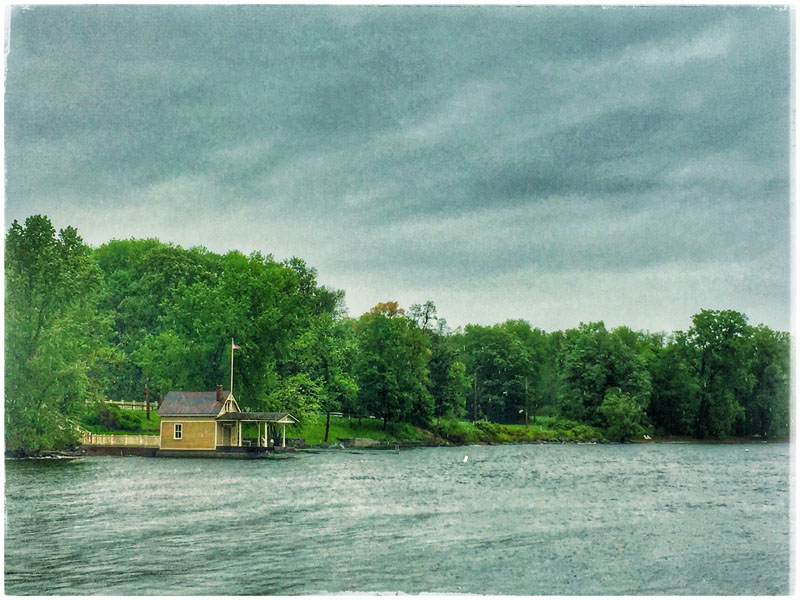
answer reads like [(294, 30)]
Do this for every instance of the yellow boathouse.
[(212, 422)]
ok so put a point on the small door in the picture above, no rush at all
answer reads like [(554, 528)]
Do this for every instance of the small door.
[(226, 434)]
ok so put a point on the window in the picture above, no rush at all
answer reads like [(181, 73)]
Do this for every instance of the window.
[(178, 431)]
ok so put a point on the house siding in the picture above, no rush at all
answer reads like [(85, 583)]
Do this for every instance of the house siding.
[(196, 434)]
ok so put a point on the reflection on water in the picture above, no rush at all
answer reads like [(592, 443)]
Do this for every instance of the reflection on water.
[(534, 519)]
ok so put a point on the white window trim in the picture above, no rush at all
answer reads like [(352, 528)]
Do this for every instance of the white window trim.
[(177, 431)]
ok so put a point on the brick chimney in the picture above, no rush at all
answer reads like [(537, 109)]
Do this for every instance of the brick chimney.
[(219, 393)]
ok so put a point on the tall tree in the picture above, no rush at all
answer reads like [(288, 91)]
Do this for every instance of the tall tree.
[(393, 366), (674, 401), (500, 365), (594, 362), (424, 314), (143, 279), (454, 395), (720, 347), (325, 351), (271, 310), (767, 407), (53, 333)]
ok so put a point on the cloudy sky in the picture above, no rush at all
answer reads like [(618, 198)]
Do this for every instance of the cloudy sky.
[(559, 164)]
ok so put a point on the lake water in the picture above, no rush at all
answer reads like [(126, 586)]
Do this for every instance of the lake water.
[(525, 520)]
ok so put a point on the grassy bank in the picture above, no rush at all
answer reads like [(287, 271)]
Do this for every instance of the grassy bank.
[(442, 432), (313, 430), (546, 429), (446, 431)]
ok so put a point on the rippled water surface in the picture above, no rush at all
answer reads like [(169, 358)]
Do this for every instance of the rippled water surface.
[(533, 519)]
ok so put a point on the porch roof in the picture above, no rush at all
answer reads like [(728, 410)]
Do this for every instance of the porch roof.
[(263, 417)]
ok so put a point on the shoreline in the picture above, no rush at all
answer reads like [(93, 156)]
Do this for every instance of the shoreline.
[(119, 451)]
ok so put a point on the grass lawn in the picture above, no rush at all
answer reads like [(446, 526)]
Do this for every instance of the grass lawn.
[(139, 417), (313, 430)]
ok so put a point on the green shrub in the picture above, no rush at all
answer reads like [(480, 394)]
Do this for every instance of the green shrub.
[(625, 418), (457, 432), (111, 418), (492, 432)]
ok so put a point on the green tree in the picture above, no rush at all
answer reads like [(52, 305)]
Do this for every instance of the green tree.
[(624, 418), (299, 395), (454, 394), (393, 366), (544, 393), (425, 315), (594, 361), (536, 382), (325, 350), (719, 345), (674, 400), (165, 360), (767, 407), (143, 279), (54, 334), (276, 313), (445, 381), (498, 363)]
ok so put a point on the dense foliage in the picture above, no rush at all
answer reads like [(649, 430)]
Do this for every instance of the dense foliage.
[(85, 325), (54, 333)]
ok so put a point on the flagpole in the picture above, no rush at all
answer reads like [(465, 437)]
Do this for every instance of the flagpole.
[(232, 344)]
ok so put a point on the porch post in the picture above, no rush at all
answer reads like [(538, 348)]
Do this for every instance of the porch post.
[(240, 434), (283, 438)]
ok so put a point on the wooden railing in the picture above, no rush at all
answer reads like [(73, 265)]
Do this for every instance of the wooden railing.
[(108, 439)]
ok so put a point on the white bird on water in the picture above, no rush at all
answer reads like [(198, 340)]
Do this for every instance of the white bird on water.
[(466, 458)]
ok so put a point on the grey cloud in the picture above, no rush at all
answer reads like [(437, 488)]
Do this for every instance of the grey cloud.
[(435, 144)]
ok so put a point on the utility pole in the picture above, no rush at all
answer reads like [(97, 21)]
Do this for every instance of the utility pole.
[(147, 396), (233, 347), (475, 397), (526, 403)]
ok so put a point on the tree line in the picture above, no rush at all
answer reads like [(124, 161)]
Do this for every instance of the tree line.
[(84, 325)]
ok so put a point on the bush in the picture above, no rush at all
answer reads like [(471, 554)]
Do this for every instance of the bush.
[(457, 432), (625, 419), (111, 418), (492, 432), (30, 433), (404, 431)]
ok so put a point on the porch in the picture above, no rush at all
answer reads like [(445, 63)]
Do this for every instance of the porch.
[(273, 434)]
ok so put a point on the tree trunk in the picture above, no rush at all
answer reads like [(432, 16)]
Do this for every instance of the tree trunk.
[(327, 425), (147, 396), (475, 398)]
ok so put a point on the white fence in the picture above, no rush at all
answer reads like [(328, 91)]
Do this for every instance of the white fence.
[(107, 439), (133, 405)]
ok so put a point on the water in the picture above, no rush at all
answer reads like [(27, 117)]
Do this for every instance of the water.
[(526, 520)]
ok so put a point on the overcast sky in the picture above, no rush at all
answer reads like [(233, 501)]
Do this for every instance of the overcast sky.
[(558, 164)]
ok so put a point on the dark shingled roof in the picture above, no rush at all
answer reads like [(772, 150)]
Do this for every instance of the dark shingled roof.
[(255, 416), (192, 403)]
